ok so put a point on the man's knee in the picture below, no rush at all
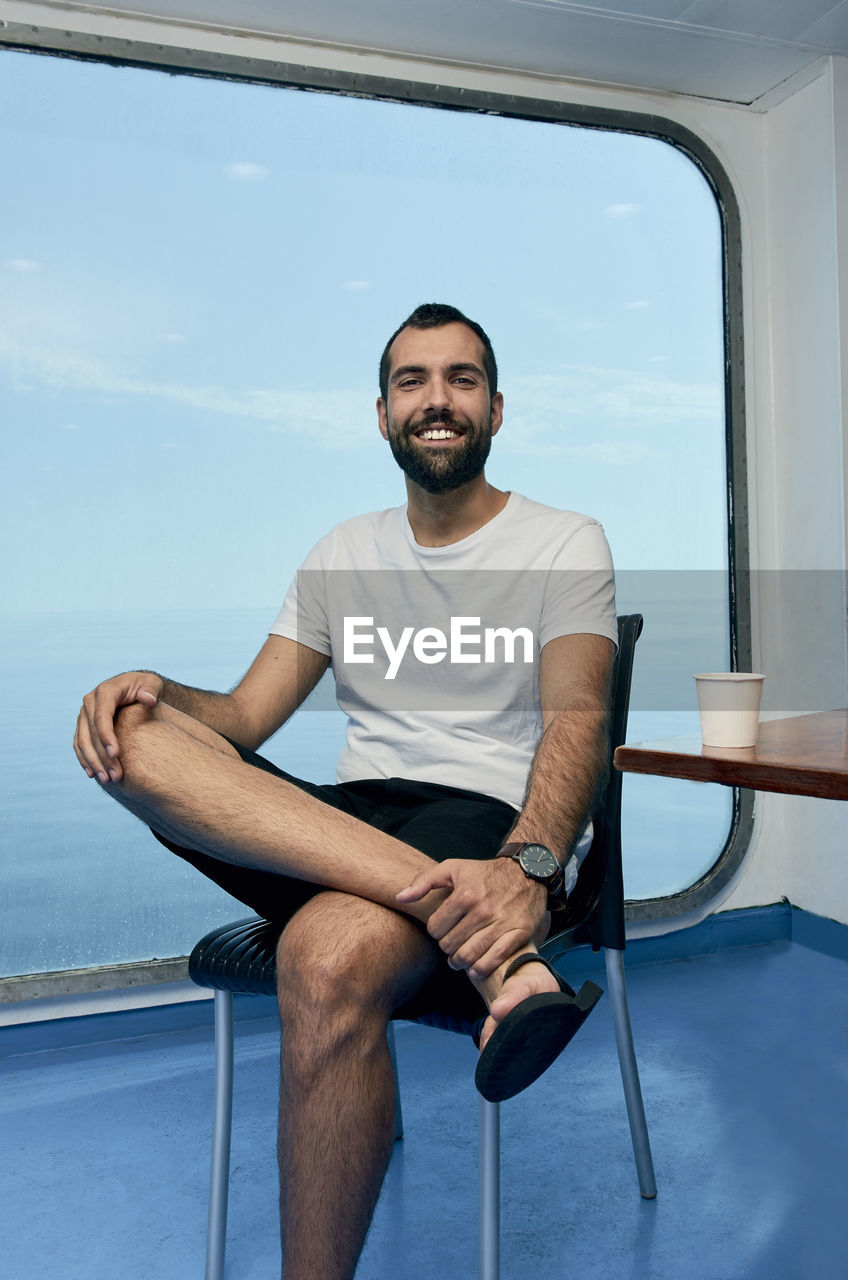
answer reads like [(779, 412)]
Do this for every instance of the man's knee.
[(323, 966), (326, 1010), (341, 962), (140, 731)]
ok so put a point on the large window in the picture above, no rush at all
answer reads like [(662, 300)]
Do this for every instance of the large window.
[(198, 277)]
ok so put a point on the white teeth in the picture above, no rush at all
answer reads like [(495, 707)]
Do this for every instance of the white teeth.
[(441, 433)]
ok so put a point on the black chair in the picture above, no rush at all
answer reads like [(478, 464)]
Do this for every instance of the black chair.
[(240, 957)]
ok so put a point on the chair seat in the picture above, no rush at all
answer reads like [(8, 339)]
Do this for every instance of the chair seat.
[(241, 958), (238, 957)]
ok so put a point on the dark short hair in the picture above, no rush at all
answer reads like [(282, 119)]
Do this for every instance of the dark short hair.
[(434, 315)]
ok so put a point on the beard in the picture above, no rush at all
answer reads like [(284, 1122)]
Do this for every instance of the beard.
[(442, 470)]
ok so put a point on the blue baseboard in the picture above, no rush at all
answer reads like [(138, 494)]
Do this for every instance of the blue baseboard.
[(749, 927), (820, 934), (192, 1017)]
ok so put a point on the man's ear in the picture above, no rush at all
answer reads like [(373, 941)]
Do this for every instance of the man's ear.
[(382, 418), (497, 412)]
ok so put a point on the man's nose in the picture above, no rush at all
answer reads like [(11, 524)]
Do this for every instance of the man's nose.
[(438, 395)]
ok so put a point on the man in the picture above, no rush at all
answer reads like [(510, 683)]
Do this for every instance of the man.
[(376, 880)]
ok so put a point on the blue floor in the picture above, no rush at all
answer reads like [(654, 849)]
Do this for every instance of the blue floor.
[(744, 1063)]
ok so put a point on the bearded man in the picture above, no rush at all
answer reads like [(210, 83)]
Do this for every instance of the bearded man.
[(471, 635)]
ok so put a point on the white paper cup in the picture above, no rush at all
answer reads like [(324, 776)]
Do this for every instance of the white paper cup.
[(729, 703)]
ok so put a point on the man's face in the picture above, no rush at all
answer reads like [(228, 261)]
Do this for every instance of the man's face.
[(439, 419)]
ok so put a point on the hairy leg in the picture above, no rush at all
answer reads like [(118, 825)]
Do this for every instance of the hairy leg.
[(343, 965), (187, 782)]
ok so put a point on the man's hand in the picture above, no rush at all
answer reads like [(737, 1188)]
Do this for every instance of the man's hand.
[(95, 741), (492, 911)]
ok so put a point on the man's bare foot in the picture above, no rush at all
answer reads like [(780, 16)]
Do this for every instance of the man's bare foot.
[(529, 980), (528, 1026)]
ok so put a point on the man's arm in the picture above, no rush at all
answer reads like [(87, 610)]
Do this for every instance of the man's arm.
[(493, 908), (571, 761), (279, 679)]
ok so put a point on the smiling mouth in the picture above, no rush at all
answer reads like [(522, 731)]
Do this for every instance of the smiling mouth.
[(439, 434)]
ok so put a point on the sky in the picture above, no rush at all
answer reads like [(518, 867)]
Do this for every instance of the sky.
[(197, 279)]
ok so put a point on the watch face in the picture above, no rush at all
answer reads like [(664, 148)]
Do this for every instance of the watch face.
[(537, 861)]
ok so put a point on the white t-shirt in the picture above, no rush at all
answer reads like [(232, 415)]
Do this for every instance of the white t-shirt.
[(435, 650)]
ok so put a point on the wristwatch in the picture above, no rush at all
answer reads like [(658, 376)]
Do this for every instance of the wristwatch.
[(538, 863)]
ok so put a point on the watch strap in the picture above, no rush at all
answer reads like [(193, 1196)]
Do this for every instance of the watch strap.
[(512, 849)]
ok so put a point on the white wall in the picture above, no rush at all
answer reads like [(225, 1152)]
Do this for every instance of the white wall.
[(789, 166), (797, 423)]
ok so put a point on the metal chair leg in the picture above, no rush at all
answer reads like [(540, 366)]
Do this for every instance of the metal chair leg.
[(216, 1232), (489, 1206), (390, 1036), (630, 1072)]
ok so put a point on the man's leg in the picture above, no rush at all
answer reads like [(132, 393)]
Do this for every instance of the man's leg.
[(189, 784), (344, 964)]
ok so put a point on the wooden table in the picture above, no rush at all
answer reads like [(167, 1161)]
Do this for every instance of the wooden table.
[(800, 755)]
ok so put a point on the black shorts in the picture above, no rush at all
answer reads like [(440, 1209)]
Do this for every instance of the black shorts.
[(443, 822)]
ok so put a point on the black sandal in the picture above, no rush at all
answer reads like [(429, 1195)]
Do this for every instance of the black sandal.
[(532, 1035)]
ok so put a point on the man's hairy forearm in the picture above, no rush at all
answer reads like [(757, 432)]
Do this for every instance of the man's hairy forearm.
[(217, 710), (566, 780)]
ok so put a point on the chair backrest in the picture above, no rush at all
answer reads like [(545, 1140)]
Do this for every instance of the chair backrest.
[(594, 912)]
